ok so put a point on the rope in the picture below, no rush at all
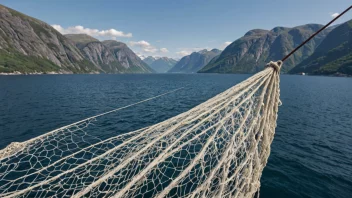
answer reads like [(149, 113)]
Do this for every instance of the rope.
[(14, 147)]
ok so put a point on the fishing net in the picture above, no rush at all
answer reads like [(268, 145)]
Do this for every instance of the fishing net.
[(217, 149)]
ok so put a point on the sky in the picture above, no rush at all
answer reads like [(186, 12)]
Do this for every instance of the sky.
[(175, 28)]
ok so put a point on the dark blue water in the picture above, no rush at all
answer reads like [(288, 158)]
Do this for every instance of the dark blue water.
[(311, 153)]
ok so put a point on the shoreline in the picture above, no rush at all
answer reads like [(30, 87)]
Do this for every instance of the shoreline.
[(17, 73), (34, 73)]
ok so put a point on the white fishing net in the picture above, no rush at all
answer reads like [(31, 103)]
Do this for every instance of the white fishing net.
[(217, 149)]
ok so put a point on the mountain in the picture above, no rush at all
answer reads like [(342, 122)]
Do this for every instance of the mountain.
[(163, 64), (96, 52), (160, 64), (149, 60), (109, 56), (257, 47), (127, 58), (81, 39), (195, 61), (332, 56), (29, 45)]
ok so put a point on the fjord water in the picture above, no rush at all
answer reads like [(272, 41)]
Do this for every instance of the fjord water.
[(311, 154)]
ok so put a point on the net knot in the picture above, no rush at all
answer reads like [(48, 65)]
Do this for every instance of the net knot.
[(276, 65)]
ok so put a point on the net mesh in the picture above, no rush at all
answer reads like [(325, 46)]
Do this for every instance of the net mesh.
[(217, 149)]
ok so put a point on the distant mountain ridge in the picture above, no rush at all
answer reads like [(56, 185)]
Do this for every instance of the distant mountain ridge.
[(194, 62), (332, 56), (251, 52), (160, 64), (28, 45), (149, 59)]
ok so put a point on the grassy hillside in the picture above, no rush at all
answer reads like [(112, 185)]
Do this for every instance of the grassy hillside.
[(333, 55)]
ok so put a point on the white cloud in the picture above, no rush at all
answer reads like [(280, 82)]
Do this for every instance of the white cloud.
[(58, 28), (164, 50), (116, 33), (147, 47), (225, 44), (334, 15), (150, 49), (142, 43), (92, 32), (183, 53)]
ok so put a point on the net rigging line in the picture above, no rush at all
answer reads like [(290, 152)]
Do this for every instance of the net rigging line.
[(15, 146), (216, 149)]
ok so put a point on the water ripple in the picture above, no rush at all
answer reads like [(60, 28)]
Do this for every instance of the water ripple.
[(311, 152)]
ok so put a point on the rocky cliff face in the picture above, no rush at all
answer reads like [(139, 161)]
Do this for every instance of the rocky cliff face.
[(160, 64), (101, 57), (332, 56), (30, 45), (127, 58), (109, 56), (257, 47), (195, 61)]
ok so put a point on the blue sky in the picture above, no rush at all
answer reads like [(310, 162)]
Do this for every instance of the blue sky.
[(175, 28)]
